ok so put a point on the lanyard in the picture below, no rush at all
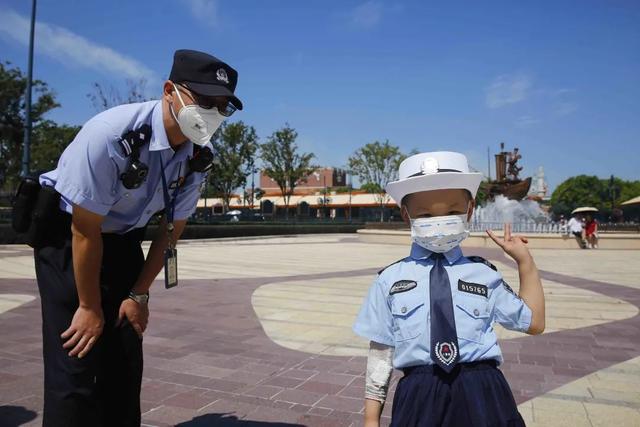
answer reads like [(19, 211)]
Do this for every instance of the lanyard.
[(170, 254), (169, 201)]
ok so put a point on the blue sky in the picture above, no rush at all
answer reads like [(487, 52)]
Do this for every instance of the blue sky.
[(558, 79)]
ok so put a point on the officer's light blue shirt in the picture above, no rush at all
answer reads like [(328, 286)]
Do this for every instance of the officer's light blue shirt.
[(401, 320), (89, 170)]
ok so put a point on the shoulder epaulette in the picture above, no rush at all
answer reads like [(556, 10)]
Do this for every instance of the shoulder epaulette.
[(393, 263), (482, 260)]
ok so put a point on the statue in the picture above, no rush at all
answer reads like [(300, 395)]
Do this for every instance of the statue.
[(507, 182), (513, 169)]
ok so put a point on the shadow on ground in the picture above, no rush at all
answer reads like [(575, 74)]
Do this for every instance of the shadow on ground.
[(224, 420), (14, 416)]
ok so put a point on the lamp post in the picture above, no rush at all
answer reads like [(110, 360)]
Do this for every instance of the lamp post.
[(324, 197), (613, 194), (26, 153), (253, 185), (349, 172)]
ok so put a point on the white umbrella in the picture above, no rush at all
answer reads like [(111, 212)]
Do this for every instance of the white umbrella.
[(584, 209), (634, 201), (234, 212)]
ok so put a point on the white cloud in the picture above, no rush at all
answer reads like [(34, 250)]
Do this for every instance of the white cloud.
[(205, 11), (70, 48), (367, 15), (507, 89), (565, 108), (526, 121)]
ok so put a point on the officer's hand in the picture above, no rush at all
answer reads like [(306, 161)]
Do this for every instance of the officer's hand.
[(86, 328), (515, 246), (137, 314)]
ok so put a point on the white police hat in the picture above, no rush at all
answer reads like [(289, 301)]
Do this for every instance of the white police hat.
[(439, 170)]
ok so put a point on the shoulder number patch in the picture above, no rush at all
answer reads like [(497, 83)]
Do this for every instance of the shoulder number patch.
[(402, 286), (472, 288)]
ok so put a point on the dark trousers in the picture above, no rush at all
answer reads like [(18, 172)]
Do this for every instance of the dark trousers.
[(472, 395), (103, 388)]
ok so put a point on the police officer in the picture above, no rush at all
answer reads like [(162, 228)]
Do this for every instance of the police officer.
[(431, 313), (125, 164)]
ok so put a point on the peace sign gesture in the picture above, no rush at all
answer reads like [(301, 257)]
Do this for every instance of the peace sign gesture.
[(514, 246)]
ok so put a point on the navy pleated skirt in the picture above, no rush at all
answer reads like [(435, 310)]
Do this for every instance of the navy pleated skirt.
[(472, 395)]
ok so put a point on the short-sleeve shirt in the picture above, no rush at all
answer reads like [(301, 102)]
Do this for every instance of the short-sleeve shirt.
[(89, 170), (401, 319), (575, 225)]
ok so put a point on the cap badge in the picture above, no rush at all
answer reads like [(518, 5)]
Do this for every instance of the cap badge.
[(429, 166), (221, 75)]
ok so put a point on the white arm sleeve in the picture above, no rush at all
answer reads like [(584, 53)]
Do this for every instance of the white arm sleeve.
[(379, 369)]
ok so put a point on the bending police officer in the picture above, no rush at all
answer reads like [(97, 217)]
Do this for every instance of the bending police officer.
[(125, 164)]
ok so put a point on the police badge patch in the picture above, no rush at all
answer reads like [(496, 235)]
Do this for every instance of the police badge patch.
[(508, 288), (402, 286)]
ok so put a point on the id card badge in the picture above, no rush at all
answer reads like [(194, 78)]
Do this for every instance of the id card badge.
[(170, 268)]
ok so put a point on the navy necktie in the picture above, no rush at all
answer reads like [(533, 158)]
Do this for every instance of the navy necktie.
[(444, 339)]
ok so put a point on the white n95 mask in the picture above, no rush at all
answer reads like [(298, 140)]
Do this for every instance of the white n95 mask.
[(440, 233), (196, 123)]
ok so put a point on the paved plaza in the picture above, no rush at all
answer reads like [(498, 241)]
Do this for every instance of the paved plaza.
[(258, 333)]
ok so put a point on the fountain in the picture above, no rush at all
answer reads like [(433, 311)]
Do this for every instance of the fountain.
[(505, 197), (505, 204), (525, 215)]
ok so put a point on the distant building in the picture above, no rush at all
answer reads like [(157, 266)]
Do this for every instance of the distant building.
[(356, 205), (318, 180), (325, 194)]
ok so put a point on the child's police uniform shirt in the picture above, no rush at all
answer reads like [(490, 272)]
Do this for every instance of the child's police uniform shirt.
[(88, 172), (396, 309)]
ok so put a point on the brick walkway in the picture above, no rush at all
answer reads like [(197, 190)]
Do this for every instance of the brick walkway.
[(209, 362)]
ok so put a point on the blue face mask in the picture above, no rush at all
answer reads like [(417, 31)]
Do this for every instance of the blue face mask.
[(440, 233)]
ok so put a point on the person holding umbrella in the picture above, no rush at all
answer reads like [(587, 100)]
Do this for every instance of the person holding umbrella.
[(577, 226)]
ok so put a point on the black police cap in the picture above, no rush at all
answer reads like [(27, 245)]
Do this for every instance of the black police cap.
[(205, 74)]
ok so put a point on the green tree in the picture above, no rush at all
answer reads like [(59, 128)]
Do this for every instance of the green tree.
[(234, 145), (259, 193), (284, 164), (578, 191), (105, 97), (49, 141), (586, 190), (376, 164), (481, 195), (628, 189), (13, 84)]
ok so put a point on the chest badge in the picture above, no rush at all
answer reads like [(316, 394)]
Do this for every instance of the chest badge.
[(472, 288), (402, 286), (446, 352)]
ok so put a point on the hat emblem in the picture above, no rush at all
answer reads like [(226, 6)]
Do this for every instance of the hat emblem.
[(221, 75), (429, 166)]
